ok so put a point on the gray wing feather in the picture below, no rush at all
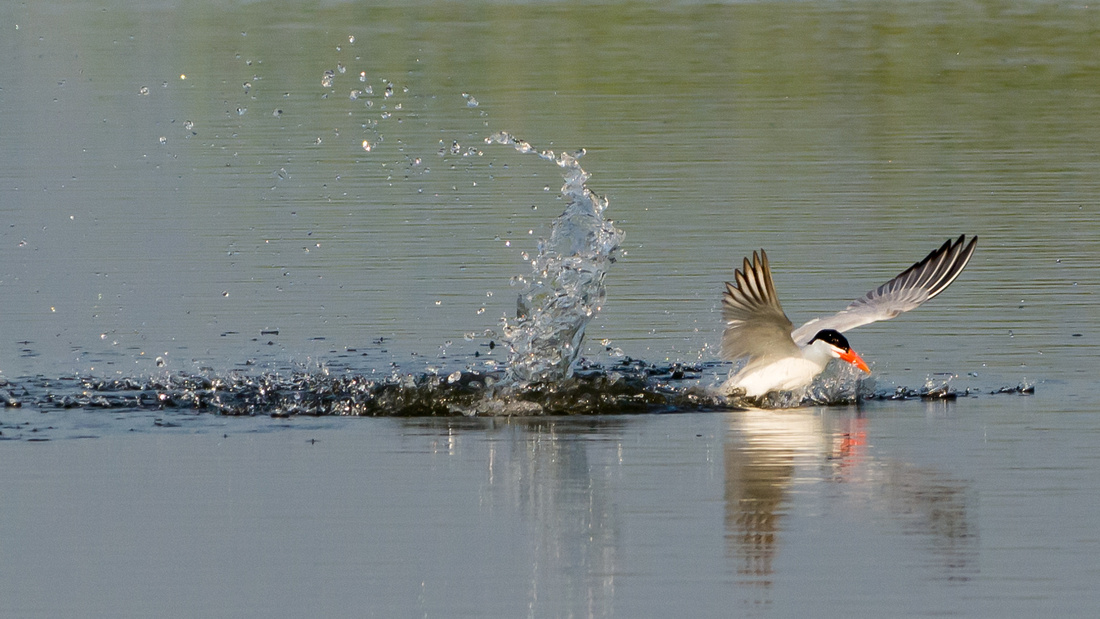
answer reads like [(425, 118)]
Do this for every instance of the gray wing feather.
[(908, 290), (756, 326)]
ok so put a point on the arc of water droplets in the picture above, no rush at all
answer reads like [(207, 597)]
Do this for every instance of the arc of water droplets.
[(565, 289)]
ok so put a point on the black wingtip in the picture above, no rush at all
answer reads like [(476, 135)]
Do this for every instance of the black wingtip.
[(952, 258)]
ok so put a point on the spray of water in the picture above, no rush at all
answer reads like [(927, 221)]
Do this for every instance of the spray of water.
[(565, 289)]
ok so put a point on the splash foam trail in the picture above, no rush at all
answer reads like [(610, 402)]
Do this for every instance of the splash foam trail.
[(565, 288)]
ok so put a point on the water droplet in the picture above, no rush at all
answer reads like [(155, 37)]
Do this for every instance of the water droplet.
[(190, 126), (144, 91), (389, 90), (355, 94), (351, 38), (247, 86), (341, 68), (454, 377), (163, 140), (362, 76), (439, 302), (161, 362), (241, 111), (326, 79), (366, 146)]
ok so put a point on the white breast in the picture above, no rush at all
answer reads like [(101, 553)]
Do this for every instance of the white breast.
[(782, 375)]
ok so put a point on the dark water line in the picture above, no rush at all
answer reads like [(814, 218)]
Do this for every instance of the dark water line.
[(631, 387)]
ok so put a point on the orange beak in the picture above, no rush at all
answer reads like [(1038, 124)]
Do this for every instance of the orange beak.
[(852, 357)]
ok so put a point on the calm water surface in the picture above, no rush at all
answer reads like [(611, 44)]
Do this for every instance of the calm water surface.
[(185, 189)]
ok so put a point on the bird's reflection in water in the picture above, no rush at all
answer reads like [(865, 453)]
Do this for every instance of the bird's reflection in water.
[(761, 457), (567, 479), (770, 453)]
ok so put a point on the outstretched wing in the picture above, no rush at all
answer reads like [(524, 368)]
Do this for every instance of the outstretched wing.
[(908, 290), (756, 326)]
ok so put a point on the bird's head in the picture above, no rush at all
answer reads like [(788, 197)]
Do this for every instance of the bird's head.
[(836, 346)]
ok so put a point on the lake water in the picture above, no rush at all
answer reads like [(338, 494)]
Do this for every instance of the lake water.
[(240, 190)]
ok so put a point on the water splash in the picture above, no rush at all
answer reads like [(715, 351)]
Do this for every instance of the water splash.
[(38, 408), (629, 387), (841, 385), (836, 385), (565, 289)]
